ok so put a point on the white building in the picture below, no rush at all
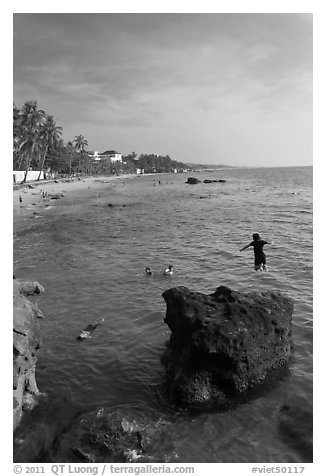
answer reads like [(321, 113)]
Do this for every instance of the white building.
[(113, 155), (108, 154)]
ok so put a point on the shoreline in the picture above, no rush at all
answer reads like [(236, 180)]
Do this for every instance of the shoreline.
[(30, 192)]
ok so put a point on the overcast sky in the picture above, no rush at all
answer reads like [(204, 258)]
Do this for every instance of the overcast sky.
[(231, 89)]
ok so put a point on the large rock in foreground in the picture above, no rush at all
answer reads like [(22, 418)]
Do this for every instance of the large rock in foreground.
[(26, 342), (224, 344)]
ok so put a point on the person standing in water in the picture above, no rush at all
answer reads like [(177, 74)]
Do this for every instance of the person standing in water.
[(258, 245)]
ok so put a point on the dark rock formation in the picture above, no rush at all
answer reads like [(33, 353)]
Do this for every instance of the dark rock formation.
[(224, 344), (26, 342), (116, 435), (56, 196), (193, 180), (41, 427)]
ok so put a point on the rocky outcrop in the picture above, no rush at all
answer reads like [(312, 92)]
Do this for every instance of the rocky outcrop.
[(116, 435), (193, 180), (214, 181), (26, 342), (224, 345)]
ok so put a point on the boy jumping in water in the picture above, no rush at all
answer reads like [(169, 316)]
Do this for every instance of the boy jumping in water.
[(260, 258)]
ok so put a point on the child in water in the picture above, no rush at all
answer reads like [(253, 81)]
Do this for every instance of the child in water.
[(260, 258)]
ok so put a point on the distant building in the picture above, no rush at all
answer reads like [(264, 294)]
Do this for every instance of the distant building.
[(112, 155), (108, 154), (95, 155)]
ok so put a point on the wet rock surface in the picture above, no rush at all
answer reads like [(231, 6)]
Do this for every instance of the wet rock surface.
[(41, 428), (26, 342), (116, 435), (224, 345)]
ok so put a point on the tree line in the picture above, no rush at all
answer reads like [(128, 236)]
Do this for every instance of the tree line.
[(38, 144)]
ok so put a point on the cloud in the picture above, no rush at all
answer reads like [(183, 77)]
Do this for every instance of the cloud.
[(156, 70)]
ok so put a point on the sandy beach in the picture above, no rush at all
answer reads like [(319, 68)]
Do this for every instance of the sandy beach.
[(30, 192)]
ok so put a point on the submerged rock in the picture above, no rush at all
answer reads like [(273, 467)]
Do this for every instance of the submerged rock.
[(40, 428), (26, 342), (224, 344), (296, 428), (116, 435)]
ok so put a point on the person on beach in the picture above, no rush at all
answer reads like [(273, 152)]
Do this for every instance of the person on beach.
[(258, 245)]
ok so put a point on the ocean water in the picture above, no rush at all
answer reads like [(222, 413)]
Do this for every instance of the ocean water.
[(90, 257)]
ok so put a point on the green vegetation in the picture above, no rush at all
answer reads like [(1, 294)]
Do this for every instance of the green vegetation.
[(152, 163), (38, 145)]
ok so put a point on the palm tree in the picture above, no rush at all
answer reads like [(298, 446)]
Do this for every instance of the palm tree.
[(81, 145), (50, 136), (70, 155), (32, 120), (17, 137)]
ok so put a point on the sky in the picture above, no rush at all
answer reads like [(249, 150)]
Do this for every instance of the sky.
[(213, 88)]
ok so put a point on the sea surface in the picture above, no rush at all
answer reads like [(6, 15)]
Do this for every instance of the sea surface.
[(90, 251)]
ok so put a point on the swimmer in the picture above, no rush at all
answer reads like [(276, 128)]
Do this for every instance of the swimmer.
[(148, 271), (260, 258), (20, 200), (169, 271)]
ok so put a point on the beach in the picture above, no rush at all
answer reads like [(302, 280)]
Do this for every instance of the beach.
[(64, 187)]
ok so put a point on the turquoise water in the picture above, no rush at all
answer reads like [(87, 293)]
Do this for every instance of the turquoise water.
[(90, 257)]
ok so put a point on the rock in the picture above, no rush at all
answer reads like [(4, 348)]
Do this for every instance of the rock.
[(193, 180), (224, 344), (296, 428), (30, 288), (36, 436), (214, 181), (116, 435), (56, 196), (26, 342)]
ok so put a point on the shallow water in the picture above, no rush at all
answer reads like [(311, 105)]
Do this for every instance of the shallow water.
[(90, 257)]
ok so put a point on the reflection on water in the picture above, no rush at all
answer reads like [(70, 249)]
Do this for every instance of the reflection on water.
[(91, 257)]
